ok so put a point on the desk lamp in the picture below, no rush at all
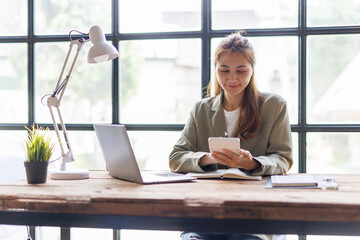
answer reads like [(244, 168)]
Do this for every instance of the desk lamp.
[(101, 51)]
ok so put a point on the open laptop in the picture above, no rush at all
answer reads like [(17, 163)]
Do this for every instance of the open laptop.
[(120, 158)]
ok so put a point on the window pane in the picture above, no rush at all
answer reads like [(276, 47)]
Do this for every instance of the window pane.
[(149, 234), (290, 237), (88, 154), (13, 83), (327, 237), (333, 152), (87, 98), (333, 13), (12, 232), (47, 233), (160, 80), (276, 68), (91, 234), (332, 81), (60, 16), (152, 149), (159, 15), (240, 14), (13, 18), (86, 150), (12, 157)]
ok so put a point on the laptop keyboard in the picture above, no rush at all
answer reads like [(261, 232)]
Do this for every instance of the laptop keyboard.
[(168, 174)]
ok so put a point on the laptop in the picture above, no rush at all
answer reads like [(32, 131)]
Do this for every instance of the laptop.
[(120, 158)]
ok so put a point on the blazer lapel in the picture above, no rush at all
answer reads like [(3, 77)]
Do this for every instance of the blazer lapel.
[(218, 118)]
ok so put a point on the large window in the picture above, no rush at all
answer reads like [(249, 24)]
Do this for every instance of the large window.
[(308, 51)]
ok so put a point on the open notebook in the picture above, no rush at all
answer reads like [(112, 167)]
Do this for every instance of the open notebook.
[(233, 173)]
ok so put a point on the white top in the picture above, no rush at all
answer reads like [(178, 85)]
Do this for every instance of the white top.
[(232, 121)]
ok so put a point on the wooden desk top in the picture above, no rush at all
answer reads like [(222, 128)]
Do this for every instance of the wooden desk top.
[(218, 199)]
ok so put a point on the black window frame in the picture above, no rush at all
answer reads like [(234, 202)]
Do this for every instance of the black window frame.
[(205, 34)]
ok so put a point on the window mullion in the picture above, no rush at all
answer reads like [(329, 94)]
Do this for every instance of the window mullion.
[(206, 45), (31, 82), (302, 86)]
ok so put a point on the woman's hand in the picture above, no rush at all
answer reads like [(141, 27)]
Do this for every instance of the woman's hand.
[(243, 159), (207, 160)]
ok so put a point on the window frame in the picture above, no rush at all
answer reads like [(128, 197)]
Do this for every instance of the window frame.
[(205, 34)]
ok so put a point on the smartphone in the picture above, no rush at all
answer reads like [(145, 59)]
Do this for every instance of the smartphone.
[(219, 143)]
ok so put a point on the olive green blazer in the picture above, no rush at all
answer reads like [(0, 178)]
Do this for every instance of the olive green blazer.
[(272, 146)]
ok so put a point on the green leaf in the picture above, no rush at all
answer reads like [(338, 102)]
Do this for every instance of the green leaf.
[(39, 147)]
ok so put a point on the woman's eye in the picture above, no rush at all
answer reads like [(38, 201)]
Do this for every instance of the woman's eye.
[(223, 70), (241, 71)]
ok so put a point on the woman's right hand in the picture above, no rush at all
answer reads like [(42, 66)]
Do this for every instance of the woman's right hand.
[(207, 160)]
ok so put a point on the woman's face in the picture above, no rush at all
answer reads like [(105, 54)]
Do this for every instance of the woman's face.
[(233, 73)]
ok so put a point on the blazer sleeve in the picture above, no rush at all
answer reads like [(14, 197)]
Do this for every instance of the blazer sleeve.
[(185, 156), (278, 158)]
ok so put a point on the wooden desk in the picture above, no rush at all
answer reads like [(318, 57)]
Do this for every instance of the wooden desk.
[(202, 206)]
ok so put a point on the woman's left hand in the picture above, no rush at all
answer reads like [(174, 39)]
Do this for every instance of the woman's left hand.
[(243, 159)]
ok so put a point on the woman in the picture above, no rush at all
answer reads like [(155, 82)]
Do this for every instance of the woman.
[(238, 109)]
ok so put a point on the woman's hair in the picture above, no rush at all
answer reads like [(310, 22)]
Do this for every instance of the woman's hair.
[(249, 120)]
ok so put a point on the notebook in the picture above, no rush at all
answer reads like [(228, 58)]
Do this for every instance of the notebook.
[(298, 180), (323, 181), (120, 158), (231, 173)]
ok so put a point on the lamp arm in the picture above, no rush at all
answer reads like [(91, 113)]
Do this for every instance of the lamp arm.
[(63, 85), (55, 99), (68, 156)]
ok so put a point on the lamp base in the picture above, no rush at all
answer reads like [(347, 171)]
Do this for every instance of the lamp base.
[(69, 174)]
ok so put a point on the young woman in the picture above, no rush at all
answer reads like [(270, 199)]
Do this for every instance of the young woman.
[(237, 109)]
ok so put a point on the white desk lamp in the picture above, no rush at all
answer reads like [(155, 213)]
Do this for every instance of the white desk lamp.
[(101, 51)]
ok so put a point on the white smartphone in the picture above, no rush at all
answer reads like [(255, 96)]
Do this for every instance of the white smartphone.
[(219, 143)]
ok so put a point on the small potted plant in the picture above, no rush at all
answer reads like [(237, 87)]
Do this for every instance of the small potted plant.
[(39, 149)]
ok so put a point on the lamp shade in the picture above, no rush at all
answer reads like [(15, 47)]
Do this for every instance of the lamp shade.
[(101, 50)]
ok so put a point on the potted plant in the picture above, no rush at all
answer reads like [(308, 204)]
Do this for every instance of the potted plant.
[(39, 149)]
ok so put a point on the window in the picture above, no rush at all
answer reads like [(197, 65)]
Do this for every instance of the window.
[(307, 51), (14, 85), (164, 16), (256, 14), (159, 80)]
